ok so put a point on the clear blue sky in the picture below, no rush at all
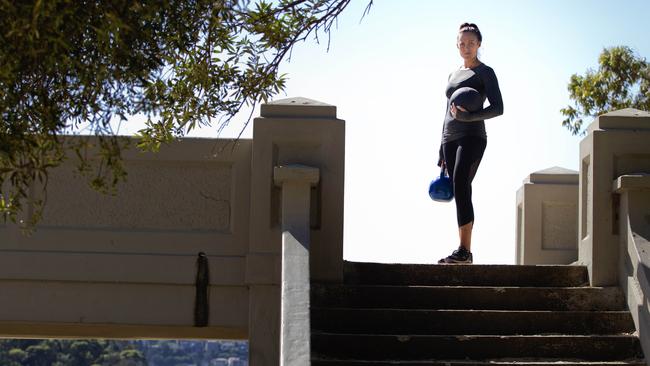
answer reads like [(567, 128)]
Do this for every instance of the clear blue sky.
[(387, 77)]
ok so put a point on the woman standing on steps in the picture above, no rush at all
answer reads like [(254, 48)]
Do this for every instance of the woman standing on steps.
[(463, 135)]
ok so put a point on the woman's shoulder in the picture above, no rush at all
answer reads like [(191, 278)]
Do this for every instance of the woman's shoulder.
[(484, 68), (485, 72)]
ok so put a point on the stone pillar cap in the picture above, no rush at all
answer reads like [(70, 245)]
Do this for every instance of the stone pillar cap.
[(297, 107), (630, 182), (553, 175), (622, 119)]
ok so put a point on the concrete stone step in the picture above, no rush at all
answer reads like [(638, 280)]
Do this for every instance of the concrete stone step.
[(455, 297), (373, 347), (497, 362), (464, 275), (466, 322)]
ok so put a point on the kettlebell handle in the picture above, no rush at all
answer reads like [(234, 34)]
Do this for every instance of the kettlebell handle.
[(442, 170)]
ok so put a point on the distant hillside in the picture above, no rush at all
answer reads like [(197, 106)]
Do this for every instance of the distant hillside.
[(80, 352)]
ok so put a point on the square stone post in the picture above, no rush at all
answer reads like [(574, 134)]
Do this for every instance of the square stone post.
[(547, 218), (617, 143), (296, 182), (291, 131)]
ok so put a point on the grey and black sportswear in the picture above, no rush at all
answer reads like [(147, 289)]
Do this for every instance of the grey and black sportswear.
[(464, 138)]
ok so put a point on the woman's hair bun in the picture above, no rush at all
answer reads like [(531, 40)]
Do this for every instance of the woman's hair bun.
[(473, 28)]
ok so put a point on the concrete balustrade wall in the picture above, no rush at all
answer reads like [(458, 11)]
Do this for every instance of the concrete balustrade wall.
[(634, 261), (547, 218), (613, 216), (614, 209), (126, 266)]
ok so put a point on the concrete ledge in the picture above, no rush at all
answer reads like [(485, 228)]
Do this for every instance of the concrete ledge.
[(630, 182), (115, 331), (297, 107)]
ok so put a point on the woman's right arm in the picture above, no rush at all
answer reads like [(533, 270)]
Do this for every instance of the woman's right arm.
[(493, 94)]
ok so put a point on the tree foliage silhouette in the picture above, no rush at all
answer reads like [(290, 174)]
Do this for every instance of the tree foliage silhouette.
[(621, 81), (78, 67)]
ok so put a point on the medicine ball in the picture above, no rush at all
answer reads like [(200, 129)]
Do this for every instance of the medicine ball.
[(467, 98)]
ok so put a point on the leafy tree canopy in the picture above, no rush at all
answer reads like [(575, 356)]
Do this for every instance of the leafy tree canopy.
[(69, 66), (96, 352), (63, 352), (621, 81)]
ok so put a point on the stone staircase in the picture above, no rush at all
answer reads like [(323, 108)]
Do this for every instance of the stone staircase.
[(414, 314)]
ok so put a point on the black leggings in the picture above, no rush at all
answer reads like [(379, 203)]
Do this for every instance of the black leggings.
[(462, 158)]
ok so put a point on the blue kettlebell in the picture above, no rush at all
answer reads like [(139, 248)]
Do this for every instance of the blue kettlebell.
[(441, 189)]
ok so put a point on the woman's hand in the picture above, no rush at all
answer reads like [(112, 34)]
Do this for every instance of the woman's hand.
[(455, 109), (443, 165)]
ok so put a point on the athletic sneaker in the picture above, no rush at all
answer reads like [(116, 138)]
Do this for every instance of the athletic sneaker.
[(460, 255)]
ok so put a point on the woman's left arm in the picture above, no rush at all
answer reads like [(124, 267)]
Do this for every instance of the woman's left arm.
[(493, 94)]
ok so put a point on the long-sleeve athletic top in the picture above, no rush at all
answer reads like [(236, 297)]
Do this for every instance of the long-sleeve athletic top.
[(484, 80)]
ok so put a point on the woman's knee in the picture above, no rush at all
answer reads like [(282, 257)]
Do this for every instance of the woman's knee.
[(461, 187)]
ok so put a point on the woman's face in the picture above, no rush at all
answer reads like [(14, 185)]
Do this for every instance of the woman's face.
[(468, 45)]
